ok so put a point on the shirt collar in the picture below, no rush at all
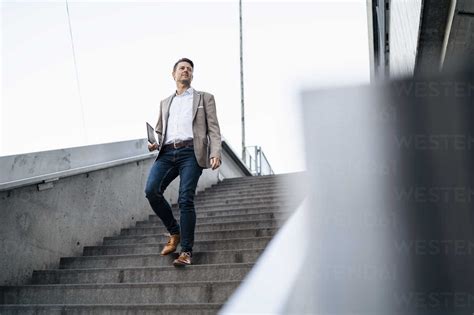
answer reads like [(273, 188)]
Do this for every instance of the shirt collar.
[(189, 91)]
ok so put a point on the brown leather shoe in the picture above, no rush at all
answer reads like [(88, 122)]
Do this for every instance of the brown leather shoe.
[(184, 259), (170, 247)]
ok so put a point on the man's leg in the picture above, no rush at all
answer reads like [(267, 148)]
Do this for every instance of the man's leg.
[(161, 175), (189, 172)]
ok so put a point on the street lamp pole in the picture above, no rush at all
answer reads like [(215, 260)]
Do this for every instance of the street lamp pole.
[(242, 83)]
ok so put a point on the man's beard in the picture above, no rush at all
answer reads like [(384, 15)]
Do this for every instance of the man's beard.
[(186, 82)]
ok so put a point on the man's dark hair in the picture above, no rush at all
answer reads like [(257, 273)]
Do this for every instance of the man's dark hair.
[(181, 60)]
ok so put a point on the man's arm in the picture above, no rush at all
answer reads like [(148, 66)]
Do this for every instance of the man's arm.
[(159, 123), (213, 132), (159, 131)]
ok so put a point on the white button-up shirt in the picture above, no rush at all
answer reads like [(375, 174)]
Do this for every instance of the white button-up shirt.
[(180, 120)]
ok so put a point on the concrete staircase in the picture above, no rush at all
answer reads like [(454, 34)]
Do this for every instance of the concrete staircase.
[(126, 275)]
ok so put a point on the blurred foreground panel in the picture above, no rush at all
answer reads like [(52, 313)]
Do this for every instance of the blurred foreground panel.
[(391, 215)]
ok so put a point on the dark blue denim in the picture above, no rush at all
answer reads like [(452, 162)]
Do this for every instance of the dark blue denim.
[(167, 167)]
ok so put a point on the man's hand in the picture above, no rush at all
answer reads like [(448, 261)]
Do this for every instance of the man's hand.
[(215, 163), (152, 147)]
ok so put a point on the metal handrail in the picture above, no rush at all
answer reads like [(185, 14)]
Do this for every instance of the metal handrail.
[(257, 162)]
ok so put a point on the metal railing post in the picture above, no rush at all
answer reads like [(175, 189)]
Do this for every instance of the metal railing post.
[(254, 162)]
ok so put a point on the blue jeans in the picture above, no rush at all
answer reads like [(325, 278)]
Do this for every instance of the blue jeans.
[(167, 167)]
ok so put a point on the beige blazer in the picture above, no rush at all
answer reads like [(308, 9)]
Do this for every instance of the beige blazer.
[(206, 131)]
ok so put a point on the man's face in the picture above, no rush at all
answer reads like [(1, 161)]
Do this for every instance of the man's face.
[(183, 73)]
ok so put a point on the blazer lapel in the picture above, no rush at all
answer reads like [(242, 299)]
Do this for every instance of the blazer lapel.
[(196, 101)]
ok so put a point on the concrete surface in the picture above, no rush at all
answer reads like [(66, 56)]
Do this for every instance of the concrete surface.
[(21, 166), (135, 275), (39, 227)]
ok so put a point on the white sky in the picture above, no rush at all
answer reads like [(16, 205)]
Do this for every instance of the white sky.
[(125, 51)]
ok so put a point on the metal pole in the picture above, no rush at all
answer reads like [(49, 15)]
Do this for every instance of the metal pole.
[(242, 83), (256, 161)]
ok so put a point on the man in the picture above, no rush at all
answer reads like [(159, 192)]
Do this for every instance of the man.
[(189, 141)]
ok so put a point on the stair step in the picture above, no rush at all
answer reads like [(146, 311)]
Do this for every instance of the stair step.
[(277, 206), (236, 219), (282, 203), (199, 236), (150, 248), (240, 194), (207, 227), (212, 213), (223, 272), (265, 178), (134, 293), (244, 189), (252, 183), (112, 309), (222, 219), (239, 199), (155, 260), (242, 200), (253, 179), (219, 189)]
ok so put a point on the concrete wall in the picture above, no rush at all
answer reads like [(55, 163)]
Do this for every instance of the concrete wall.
[(38, 227), (21, 166), (229, 168)]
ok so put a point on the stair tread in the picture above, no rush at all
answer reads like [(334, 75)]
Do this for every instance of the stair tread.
[(231, 208), (119, 285), (236, 215), (196, 241), (157, 254), (151, 228), (108, 305), (225, 218), (197, 233), (203, 266), (213, 223)]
